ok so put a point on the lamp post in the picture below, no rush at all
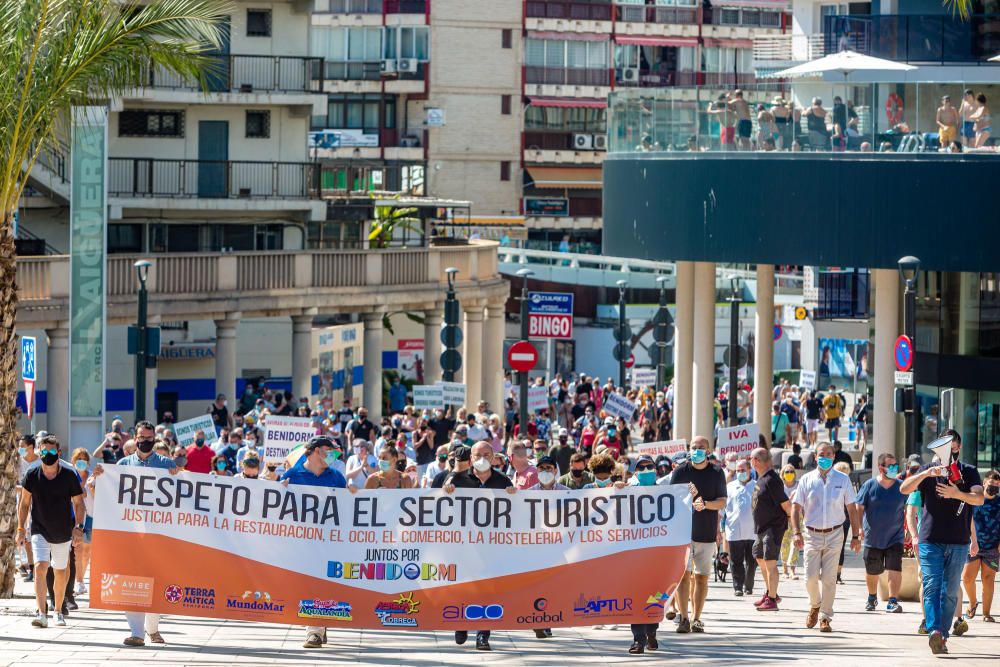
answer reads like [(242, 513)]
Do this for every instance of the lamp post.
[(734, 349), (142, 273), (909, 268), (660, 334), (522, 378), (451, 335), (622, 326)]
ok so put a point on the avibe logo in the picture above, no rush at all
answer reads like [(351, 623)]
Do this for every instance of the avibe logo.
[(255, 602), (472, 612), (541, 616)]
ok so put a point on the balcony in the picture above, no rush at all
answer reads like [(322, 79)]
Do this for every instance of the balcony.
[(405, 75), (599, 10), (657, 15), (209, 179), (561, 147), (644, 78), (780, 51), (575, 82), (921, 39), (371, 6), (366, 144), (249, 74)]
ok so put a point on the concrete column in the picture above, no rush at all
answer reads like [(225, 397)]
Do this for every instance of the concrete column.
[(432, 344), (493, 358), (887, 328), (152, 377), (472, 355), (302, 355), (703, 384), (372, 389), (763, 368), (225, 358), (683, 349), (57, 383)]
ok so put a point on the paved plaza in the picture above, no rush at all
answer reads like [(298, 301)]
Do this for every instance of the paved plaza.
[(734, 633)]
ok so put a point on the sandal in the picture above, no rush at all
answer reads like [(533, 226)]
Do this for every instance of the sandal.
[(989, 619), (971, 611)]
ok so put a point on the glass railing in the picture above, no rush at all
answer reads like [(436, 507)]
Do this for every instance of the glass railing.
[(918, 38), (807, 116)]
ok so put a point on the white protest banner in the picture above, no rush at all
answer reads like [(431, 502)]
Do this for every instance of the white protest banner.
[(453, 392), (667, 447), (643, 377), (186, 429), (413, 559), (538, 398), (807, 379), (283, 434), (739, 439), (428, 396), (619, 406)]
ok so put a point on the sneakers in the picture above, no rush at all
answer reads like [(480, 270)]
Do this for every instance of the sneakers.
[(540, 634), (824, 625), (482, 643), (60, 620), (960, 627), (893, 607), (71, 604), (157, 638), (636, 648), (80, 588), (761, 600), (684, 626), (313, 640), (769, 604), (40, 621), (936, 642), (738, 593), (872, 603), (652, 644), (134, 641), (812, 617), (697, 625), (461, 636), (922, 630)]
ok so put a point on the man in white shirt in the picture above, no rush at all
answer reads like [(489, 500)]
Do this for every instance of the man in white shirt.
[(825, 497), (739, 528)]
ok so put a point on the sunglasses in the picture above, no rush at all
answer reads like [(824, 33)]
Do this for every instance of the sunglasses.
[(644, 467)]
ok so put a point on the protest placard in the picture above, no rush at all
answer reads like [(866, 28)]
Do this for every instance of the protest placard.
[(428, 396), (739, 439), (283, 434), (619, 406), (186, 429), (453, 393), (667, 447)]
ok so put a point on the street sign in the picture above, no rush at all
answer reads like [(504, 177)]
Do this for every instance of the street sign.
[(451, 360), (621, 351), (903, 353), (904, 378), (623, 332), (801, 313), (741, 357), (455, 331), (28, 358), (777, 331), (630, 362), (550, 315), (522, 356)]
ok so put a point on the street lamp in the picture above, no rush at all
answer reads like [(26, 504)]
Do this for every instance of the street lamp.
[(909, 268), (522, 377), (142, 273), (660, 334), (735, 298), (622, 326), (451, 335)]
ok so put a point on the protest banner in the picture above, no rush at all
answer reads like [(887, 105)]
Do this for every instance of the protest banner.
[(740, 439), (283, 434), (807, 379), (186, 429), (453, 392), (410, 559), (538, 398), (428, 396), (668, 447), (643, 377), (619, 406)]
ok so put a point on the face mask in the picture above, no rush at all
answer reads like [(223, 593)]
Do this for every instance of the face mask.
[(80, 464), (251, 463), (49, 456), (824, 463), (384, 466), (892, 470), (200, 442), (646, 477), (576, 473), (546, 478), (117, 429), (220, 466), (181, 461), (357, 451), (992, 489), (698, 456), (789, 476), (743, 476), (731, 465), (249, 476), (233, 445), (601, 483), (330, 459), (22, 452), (250, 443), (611, 433), (482, 464), (145, 446), (335, 453)]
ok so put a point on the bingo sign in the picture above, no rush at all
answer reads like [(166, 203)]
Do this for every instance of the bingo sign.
[(550, 315), (903, 352)]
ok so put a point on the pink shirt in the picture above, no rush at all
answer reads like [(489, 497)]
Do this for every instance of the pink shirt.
[(525, 479)]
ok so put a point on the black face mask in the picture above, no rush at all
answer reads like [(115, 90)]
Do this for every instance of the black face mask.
[(576, 473), (401, 465), (49, 458), (250, 476), (145, 446)]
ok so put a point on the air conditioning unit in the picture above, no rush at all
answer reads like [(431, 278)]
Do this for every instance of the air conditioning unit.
[(407, 65), (388, 66), (630, 74), (409, 141), (583, 142), (600, 142)]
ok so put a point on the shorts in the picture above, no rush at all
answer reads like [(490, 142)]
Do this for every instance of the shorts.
[(768, 542), (969, 129), (947, 135), (833, 423), (727, 135), (812, 425), (989, 556), (88, 529), (745, 128), (878, 561), (56, 555), (700, 561)]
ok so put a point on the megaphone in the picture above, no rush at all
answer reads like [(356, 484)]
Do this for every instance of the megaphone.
[(942, 447)]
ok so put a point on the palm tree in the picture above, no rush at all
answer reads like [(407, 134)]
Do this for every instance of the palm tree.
[(961, 7), (56, 54)]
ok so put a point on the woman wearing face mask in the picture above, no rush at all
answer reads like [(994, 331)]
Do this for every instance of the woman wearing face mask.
[(984, 558), (789, 554), (220, 467), (80, 461), (548, 471), (644, 634), (388, 475), (602, 467), (249, 468), (587, 437)]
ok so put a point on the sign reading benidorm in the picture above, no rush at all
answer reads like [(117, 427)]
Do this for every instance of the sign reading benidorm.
[(410, 559)]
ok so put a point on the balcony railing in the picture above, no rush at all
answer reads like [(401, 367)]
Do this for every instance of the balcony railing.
[(788, 48), (211, 179), (937, 38), (348, 7), (249, 74), (567, 76), (746, 17), (371, 70), (647, 79), (646, 14), (406, 6), (599, 10)]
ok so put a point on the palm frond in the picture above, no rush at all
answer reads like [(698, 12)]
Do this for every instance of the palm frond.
[(961, 7)]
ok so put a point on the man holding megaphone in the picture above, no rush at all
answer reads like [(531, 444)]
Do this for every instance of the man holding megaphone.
[(948, 492)]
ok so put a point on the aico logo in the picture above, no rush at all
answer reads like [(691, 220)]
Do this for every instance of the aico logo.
[(473, 612), (255, 602), (399, 612), (598, 607), (126, 589), (540, 617), (331, 609)]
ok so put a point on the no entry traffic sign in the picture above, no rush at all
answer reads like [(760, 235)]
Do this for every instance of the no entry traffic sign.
[(903, 353), (630, 362), (550, 315), (522, 356)]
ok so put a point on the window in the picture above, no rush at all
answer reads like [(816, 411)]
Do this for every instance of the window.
[(505, 170), (506, 38), (505, 105), (339, 44), (258, 124), (573, 119), (144, 123), (406, 43), (124, 238), (729, 17), (357, 112), (770, 19), (560, 53), (258, 23)]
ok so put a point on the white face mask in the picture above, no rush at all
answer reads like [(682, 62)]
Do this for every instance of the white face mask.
[(482, 464), (546, 477)]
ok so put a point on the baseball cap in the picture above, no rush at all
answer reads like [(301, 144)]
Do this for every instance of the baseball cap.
[(645, 458), (318, 441), (546, 460), (679, 457), (609, 421), (563, 432), (463, 453)]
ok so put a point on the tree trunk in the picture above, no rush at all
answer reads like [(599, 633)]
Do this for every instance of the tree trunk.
[(9, 459)]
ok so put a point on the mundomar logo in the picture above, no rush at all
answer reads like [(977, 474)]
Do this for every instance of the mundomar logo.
[(255, 601)]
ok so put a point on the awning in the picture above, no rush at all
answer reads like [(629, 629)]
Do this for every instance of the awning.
[(657, 41), (574, 178), (731, 43), (570, 36), (753, 4), (584, 102)]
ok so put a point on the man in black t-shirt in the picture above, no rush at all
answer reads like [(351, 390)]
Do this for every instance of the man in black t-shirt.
[(360, 427), (220, 414), (52, 494), (442, 425), (771, 509), (707, 485)]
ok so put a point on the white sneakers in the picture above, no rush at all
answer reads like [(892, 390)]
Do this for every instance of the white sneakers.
[(81, 588), (41, 620), (60, 619)]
